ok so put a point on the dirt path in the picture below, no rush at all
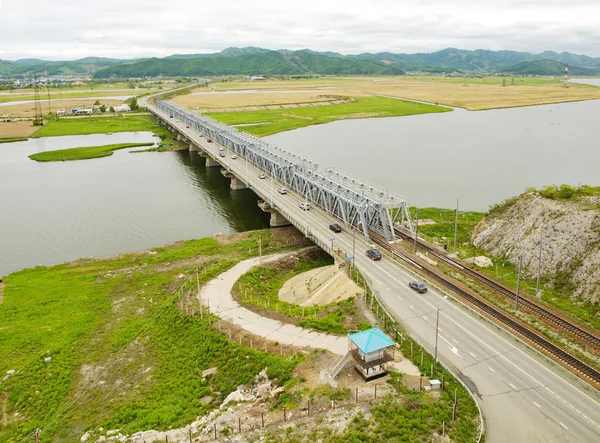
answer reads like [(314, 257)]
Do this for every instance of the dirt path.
[(217, 294)]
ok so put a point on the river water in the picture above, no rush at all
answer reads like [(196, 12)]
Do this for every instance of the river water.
[(60, 211), (480, 158), (55, 212)]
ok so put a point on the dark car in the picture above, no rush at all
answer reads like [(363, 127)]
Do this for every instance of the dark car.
[(373, 254), (335, 227), (418, 286)]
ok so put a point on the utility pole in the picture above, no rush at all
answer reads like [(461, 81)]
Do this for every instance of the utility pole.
[(456, 226), (518, 284), (537, 287), (437, 323), (417, 230)]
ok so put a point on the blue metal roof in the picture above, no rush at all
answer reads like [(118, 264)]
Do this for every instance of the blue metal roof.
[(371, 340)]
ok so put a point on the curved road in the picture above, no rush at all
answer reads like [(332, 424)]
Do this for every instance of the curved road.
[(525, 397)]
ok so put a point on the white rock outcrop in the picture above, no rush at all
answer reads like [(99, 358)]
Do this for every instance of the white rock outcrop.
[(569, 232)]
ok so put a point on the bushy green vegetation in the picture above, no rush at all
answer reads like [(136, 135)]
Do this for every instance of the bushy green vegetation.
[(567, 192), (259, 289), (273, 121), (87, 152), (123, 354)]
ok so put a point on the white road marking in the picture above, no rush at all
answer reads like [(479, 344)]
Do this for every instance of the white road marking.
[(411, 307), (491, 369), (425, 317), (472, 355), (388, 289), (564, 426), (440, 329), (399, 298), (470, 316), (512, 386), (454, 340), (537, 405)]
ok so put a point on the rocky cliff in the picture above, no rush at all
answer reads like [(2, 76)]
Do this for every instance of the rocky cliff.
[(568, 228)]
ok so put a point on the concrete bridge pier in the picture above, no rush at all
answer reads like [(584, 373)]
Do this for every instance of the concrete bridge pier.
[(277, 220), (193, 147), (210, 163), (236, 183), (179, 137)]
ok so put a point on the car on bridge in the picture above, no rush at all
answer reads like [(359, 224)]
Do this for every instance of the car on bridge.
[(262, 176), (187, 126), (221, 154), (335, 227), (418, 286), (374, 254), (304, 206), (282, 191), (233, 157)]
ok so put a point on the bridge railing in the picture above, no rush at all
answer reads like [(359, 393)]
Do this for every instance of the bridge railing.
[(354, 201)]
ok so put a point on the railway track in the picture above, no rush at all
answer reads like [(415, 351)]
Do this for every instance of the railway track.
[(576, 331), (538, 340)]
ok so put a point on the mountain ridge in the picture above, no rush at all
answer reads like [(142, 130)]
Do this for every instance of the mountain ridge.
[(252, 60)]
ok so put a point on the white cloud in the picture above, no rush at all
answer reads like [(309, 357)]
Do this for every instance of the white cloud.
[(70, 29)]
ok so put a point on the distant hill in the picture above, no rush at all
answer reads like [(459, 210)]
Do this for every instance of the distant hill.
[(36, 67), (480, 60), (248, 61), (546, 67), (252, 60)]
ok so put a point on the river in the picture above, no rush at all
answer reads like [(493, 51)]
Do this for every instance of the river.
[(55, 212), (480, 158)]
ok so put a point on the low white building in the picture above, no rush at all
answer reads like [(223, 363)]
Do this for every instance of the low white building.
[(122, 108)]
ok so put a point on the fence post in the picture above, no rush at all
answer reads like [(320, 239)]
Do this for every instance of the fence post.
[(356, 395), (239, 425), (284, 415), (262, 419), (215, 429), (443, 384), (190, 434), (308, 408), (421, 358), (375, 392)]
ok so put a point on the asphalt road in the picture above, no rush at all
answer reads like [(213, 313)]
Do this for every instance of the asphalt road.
[(524, 396)]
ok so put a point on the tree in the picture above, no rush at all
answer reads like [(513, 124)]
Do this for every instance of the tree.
[(103, 109), (134, 104), (112, 109), (503, 82), (97, 103)]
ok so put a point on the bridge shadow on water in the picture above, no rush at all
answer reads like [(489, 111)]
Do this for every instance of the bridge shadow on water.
[(238, 208)]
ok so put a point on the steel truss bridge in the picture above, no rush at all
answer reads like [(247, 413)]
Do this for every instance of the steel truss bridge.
[(356, 203)]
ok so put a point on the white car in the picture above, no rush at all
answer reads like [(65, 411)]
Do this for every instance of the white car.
[(262, 176), (233, 157), (304, 206), (282, 191)]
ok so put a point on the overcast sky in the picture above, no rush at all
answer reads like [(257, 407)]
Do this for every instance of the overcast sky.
[(71, 29)]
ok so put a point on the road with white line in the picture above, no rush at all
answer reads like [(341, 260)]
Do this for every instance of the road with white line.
[(525, 397)]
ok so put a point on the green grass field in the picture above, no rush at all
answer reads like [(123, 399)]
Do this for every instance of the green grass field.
[(274, 121), (123, 353), (96, 125), (258, 290), (84, 153)]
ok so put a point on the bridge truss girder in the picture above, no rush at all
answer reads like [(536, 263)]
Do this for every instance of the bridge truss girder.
[(355, 204)]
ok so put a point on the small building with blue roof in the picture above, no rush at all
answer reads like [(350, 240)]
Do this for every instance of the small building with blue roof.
[(369, 350)]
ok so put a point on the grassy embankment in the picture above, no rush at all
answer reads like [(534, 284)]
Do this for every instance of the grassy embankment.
[(124, 354), (555, 296), (258, 290), (273, 121), (13, 139), (84, 153), (103, 125)]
